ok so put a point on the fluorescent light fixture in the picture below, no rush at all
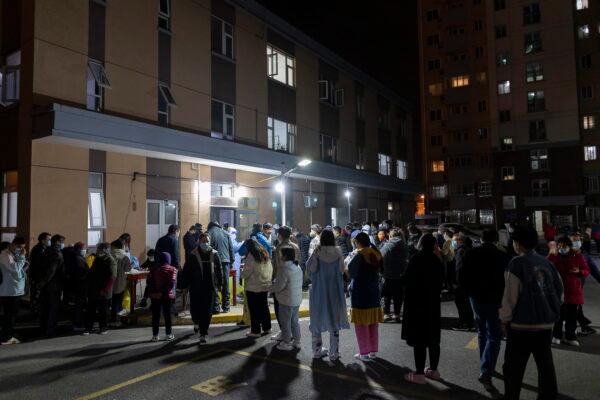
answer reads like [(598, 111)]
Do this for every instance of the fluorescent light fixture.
[(347, 193), (304, 163), (279, 187)]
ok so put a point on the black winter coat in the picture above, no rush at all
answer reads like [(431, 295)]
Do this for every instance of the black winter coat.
[(482, 273), (168, 244), (193, 276), (395, 258), (190, 242), (53, 273), (421, 322), (36, 262)]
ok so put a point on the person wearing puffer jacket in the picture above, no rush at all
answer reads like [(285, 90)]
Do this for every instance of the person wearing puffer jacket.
[(12, 286), (161, 289), (288, 292), (258, 275), (572, 268), (123, 266)]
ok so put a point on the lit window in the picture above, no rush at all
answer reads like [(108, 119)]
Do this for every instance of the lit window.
[(437, 166), (506, 144), (509, 202), (534, 72), (539, 159), (504, 87), (507, 173), (222, 120), (222, 37), (401, 170), (593, 184), (384, 164), (361, 161), (458, 81), (328, 148), (96, 208), (583, 31), (486, 217), (281, 66), (540, 187), (536, 101), (485, 189), (8, 206), (589, 122), (532, 42), (281, 135), (439, 191), (502, 59), (581, 4), (165, 102), (589, 153), (435, 89)]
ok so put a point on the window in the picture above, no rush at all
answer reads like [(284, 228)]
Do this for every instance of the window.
[(482, 133), (459, 109), (504, 87), (361, 161), (501, 31), (437, 140), (435, 89), (504, 116), (509, 202), (592, 184), (477, 2), (589, 122), (583, 31), (222, 190), (481, 106), (531, 14), (281, 135), (435, 115), (383, 118), (329, 94), (222, 120), (484, 160), (478, 25), (165, 101), (507, 173), (486, 217), (589, 153), (581, 4), (458, 57), (481, 77), (281, 66), (478, 52), (499, 5), (164, 14), (534, 72), (532, 43), (586, 92), (360, 106), (433, 40), (506, 144), (540, 187), (536, 101), (538, 159), (456, 30), (96, 82), (502, 59), (221, 37), (432, 15), (96, 208), (328, 149), (458, 81), (537, 130), (433, 64), (401, 170), (437, 166), (586, 61), (485, 189), (9, 204), (385, 167), (439, 191)]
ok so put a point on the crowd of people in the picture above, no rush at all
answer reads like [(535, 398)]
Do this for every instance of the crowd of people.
[(501, 290)]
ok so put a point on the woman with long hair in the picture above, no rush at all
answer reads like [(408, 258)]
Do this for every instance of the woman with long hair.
[(257, 273)]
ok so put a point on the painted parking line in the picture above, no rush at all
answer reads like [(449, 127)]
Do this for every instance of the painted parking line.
[(217, 386), (473, 343)]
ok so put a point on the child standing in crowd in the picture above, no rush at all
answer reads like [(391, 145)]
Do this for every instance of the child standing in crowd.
[(366, 313), (161, 289), (288, 292), (327, 301)]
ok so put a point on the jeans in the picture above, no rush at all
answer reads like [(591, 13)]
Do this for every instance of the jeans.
[(568, 315), (9, 313), (519, 346), (420, 354), (116, 305), (225, 289), (96, 307), (260, 316), (463, 306), (393, 291), (490, 335), (334, 342), (288, 322), (159, 305)]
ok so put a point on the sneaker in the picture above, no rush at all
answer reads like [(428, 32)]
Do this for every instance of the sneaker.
[(320, 353), (586, 330), (486, 381), (252, 335), (85, 333), (296, 345), (12, 340), (276, 338), (154, 339), (202, 339), (196, 328), (572, 343), (123, 312), (170, 337), (373, 355), (362, 357), (334, 357), (103, 332), (398, 318), (460, 328), (388, 318), (419, 379), (555, 341), (432, 374), (285, 346)]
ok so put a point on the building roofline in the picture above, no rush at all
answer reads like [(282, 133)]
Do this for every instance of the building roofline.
[(294, 34)]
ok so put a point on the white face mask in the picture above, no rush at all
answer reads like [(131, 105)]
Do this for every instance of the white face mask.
[(151, 259), (83, 253), (313, 234), (62, 246)]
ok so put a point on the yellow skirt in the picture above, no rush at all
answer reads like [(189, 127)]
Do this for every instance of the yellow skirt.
[(366, 316)]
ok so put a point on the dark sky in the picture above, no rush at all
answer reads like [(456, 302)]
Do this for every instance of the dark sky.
[(379, 37)]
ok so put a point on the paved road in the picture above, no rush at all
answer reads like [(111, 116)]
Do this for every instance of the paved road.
[(125, 365)]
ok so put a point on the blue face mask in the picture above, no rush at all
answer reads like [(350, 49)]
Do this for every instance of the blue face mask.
[(576, 245), (564, 250), (454, 244)]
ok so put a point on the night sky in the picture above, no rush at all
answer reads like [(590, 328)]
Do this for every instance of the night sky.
[(380, 38)]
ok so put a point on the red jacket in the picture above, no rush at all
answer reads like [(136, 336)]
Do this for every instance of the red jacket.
[(572, 281), (161, 282)]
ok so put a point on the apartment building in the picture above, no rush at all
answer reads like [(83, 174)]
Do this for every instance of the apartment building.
[(128, 116), (538, 106)]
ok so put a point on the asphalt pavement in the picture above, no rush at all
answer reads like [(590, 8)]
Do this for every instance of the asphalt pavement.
[(125, 365)]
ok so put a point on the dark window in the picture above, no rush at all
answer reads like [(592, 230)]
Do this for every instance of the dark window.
[(433, 40), (328, 149), (478, 25), (216, 116), (531, 14), (435, 115), (536, 101), (436, 140), (433, 64), (501, 31), (164, 14), (537, 130), (586, 92), (499, 5), (502, 59), (433, 15), (481, 105), (586, 61), (532, 42), (222, 37), (483, 133), (478, 52), (504, 115), (477, 2)]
